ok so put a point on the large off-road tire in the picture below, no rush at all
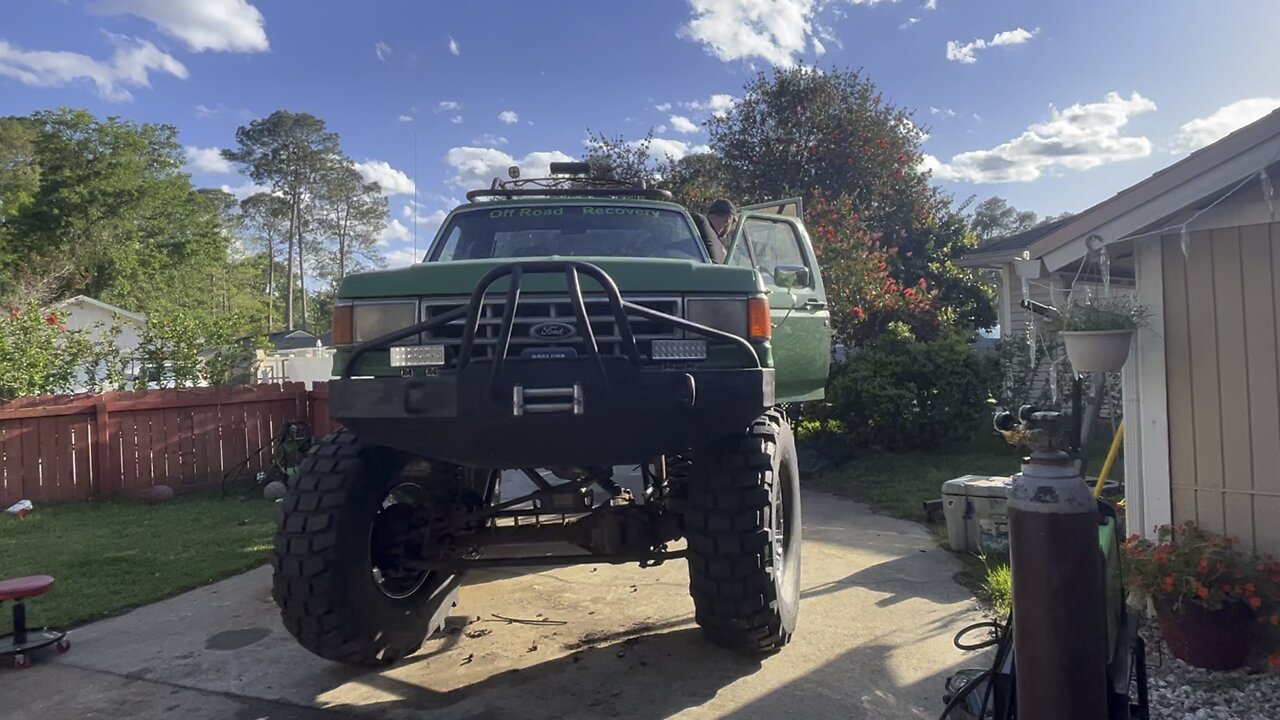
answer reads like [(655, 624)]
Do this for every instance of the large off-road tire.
[(742, 521), (340, 590)]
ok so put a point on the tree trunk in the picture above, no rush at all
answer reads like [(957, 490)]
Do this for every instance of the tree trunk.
[(302, 274), (288, 297), (271, 283)]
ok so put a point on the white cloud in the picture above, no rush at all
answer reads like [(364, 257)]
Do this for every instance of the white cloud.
[(659, 129), (401, 257), (663, 149), (931, 5), (476, 167), (204, 111), (682, 124), (395, 231), (219, 25), (207, 160), (739, 29), (717, 105), (454, 47), (909, 22), (244, 189), (130, 66), (447, 105), (966, 53), (382, 50), (777, 31), (1203, 131), (404, 118), (509, 117), (456, 119), (944, 112), (1079, 137), (391, 180), (662, 107), (490, 140)]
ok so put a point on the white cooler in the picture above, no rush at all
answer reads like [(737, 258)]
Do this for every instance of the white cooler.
[(975, 507)]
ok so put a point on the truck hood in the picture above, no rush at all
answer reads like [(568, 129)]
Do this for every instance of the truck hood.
[(632, 275)]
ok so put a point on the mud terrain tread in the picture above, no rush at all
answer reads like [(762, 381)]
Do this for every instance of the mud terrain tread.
[(731, 561), (308, 558)]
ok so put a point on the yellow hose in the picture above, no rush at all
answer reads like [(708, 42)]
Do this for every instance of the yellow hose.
[(1116, 442)]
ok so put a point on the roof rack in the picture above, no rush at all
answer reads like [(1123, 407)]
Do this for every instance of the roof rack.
[(568, 181)]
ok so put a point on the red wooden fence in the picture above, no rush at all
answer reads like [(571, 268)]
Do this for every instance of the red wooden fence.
[(64, 448)]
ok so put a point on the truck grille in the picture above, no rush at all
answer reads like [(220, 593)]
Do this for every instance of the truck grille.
[(548, 324)]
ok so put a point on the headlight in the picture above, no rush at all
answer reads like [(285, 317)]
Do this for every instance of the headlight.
[(375, 319), (728, 315)]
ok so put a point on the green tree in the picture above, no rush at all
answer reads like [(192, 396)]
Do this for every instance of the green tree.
[(113, 216), (289, 152), (350, 215), (995, 218), (694, 180), (264, 225)]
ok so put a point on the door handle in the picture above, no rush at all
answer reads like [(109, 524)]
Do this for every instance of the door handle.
[(813, 304)]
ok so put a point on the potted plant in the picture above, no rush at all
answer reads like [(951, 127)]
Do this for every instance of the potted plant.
[(1096, 331), (1206, 590)]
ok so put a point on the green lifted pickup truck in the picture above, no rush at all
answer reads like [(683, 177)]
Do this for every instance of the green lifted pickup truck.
[(557, 330)]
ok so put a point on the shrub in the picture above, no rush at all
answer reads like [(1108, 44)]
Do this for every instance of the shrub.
[(902, 393)]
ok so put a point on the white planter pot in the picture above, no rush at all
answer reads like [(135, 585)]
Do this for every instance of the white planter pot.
[(1097, 350)]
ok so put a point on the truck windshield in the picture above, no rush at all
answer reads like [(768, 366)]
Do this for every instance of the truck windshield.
[(568, 230)]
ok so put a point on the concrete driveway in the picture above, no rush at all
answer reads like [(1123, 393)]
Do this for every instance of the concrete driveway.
[(878, 612)]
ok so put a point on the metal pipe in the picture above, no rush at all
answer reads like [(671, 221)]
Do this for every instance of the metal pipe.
[(560, 560)]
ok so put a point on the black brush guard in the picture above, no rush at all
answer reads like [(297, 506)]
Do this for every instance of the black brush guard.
[(523, 412)]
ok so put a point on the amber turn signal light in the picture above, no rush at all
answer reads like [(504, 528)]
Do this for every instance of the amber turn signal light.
[(342, 325), (759, 326)]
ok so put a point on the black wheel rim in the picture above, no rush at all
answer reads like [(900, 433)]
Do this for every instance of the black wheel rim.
[(398, 533)]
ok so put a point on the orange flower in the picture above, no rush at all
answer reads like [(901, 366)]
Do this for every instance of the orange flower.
[(1203, 567), (1255, 602), (1249, 588), (1275, 619), (1203, 592), (1168, 583)]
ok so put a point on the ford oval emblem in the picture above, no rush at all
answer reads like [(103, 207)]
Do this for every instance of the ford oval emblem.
[(552, 330)]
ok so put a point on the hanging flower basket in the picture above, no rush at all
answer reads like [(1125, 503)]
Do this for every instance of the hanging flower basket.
[(1097, 331), (1097, 350)]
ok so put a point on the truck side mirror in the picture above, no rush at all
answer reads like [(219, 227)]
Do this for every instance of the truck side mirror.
[(791, 276)]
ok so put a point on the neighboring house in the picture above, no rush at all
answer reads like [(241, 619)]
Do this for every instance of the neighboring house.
[(296, 356), (1200, 242), (95, 318)]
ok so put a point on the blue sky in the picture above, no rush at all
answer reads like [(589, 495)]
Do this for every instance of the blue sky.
[(1053, 105)]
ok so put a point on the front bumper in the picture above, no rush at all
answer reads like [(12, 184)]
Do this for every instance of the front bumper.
[(540, 413)]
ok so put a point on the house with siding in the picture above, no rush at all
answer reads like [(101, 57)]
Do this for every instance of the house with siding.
[(1200, 243)]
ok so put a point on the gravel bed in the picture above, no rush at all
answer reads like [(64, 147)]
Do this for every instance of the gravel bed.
[(1182, 692)]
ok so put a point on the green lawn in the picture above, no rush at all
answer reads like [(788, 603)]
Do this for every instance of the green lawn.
[(111, 556), (900, 483)]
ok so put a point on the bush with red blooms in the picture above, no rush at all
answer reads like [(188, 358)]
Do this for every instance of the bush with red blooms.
[(858, 273), (37, 353), (1186, 563)]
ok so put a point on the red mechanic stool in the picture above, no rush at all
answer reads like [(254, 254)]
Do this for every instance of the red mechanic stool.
[(22, 640)]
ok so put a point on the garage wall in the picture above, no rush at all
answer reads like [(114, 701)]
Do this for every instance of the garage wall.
[(1221, 325)]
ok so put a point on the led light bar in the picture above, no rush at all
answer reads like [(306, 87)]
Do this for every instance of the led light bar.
[(679, 350), (416, 355)]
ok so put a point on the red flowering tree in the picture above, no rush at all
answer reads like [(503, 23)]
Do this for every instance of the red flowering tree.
[(37, 353), (858, 272), (889, 239)]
